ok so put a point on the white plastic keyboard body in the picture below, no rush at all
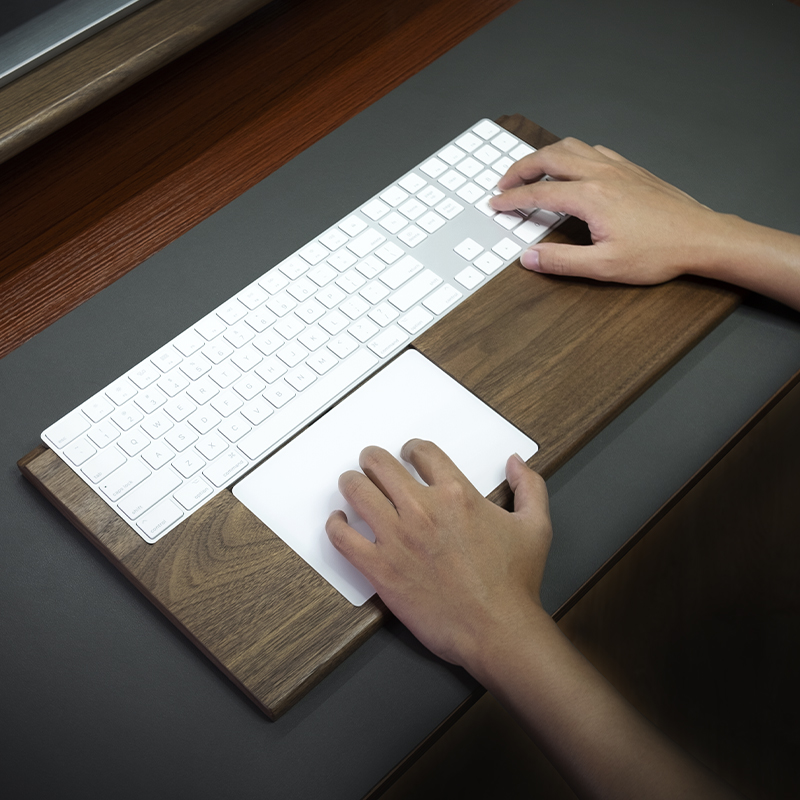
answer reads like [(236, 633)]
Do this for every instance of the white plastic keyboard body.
[(200, 412)]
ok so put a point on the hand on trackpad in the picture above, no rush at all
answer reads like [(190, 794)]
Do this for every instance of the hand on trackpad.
[(294, 491)]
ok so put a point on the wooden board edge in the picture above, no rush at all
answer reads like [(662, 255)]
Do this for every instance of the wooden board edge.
[(282, 696), (60, 90)]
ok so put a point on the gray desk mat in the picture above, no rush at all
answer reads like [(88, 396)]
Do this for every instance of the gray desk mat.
[(100, 696)]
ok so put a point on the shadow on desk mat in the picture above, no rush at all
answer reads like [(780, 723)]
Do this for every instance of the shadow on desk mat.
[(559, 358)]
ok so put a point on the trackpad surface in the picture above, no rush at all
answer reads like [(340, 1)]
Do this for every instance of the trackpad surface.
[(294, 491)]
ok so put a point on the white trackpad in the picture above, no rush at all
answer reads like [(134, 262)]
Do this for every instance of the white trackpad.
[(294, 491)]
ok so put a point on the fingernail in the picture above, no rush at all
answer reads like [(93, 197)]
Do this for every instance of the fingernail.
[(530, 260)]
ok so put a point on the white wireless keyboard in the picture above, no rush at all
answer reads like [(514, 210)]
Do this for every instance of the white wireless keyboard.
[(199, 413)]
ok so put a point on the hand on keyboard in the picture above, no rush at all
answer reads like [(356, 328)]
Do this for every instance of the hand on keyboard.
[(644, 230), (448, 562)]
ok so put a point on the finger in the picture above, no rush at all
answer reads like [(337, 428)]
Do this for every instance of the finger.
[(386, 472), (567, 160), (359, 551), (430, 461), (367, 499), (530, 491), (586, 261), (563, 196), (524, 171)]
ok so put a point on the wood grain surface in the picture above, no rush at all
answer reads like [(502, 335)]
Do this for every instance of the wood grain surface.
[(558, 358), (90, 202), (81, 78)]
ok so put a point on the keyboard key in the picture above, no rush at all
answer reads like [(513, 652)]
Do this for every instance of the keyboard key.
[(487, 154), (449, 208), (487, 179), (257, 412), (149, 492), (430, 195), (375, 209), (314, 252), (451, 154), (188, 463), (468, 249), (415, 290), (159, 520), (192, 493), (233, 429), (103, 434), (412, 208), (352, 225), (366, 242), (469, 142), (388, 341), (301, 378), (521, 150), (506, 249), (508, 219), (394, 195), (470, 167), (452, 180), (488, 263), (279, 394), (442, 299), (146, 373), (342, 260), (504, 141), (469, 277), (122, 480), (211, 447), (97, 408), (486, 129), (412, 235), (230, 312), (430, 222), (157, 424), (389, 253), (181, 437), (133, 442), (412, 182), (401, 272), (394, 222), (67, 429), (279, 426), (372, 266), (79, 451), (102, 464), (433, 167), (157, 455), (415, 320), (363, 329), (333, 239)]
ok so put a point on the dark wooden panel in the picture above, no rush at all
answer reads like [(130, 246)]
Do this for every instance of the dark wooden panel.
[(83, 77), (89, 203), (253, 606)]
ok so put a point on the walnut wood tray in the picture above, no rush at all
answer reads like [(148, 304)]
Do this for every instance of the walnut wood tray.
[(558, 358)]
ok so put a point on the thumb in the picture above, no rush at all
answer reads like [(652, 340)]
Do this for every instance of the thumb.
[(562, 259), (530, 491)]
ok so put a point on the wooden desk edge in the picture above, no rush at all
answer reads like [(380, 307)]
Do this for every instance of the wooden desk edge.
[(52, 95)]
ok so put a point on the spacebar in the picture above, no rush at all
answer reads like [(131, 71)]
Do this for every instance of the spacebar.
[(306, 404)]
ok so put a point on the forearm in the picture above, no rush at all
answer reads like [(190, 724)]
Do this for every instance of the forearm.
[(754, 257), (602, 745)]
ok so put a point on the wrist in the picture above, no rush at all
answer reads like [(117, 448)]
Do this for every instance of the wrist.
[(503, 638)]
